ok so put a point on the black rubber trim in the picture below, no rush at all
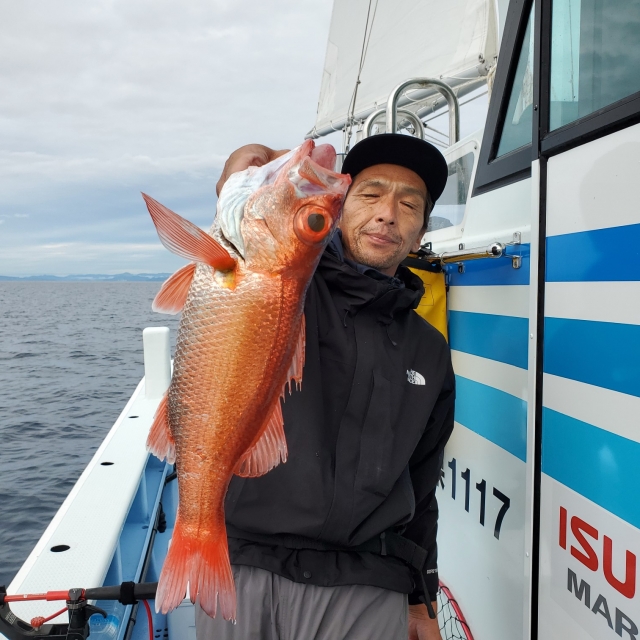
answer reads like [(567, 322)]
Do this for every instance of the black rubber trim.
[(541, 73), (126, 593), (605, 121), (504, 180), (541, 97), (537, 453)]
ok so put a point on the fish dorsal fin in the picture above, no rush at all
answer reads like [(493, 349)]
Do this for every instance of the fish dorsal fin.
[(160, 441), (185, 239), (173, 293), (297, 364), (269, 451)]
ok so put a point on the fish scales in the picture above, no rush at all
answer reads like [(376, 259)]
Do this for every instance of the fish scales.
[(216, 401)]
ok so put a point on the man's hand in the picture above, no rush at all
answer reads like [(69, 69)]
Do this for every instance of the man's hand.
[(251, 155), (421, 626)]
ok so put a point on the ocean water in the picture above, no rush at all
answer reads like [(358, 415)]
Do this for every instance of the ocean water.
[(70, 358)]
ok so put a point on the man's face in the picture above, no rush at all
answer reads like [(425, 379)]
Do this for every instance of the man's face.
[(383, 216)]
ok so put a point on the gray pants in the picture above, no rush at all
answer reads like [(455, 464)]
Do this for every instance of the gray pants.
[(274, 608)]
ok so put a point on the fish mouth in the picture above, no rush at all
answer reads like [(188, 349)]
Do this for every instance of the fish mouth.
[(317, 179), (324, 155), (311, 172)]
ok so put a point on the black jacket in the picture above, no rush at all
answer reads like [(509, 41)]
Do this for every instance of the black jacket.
[(365, 444)]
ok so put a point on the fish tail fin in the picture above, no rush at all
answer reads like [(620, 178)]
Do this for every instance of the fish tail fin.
[(204, 564), (174, 577), (213, 579), (160, 441)]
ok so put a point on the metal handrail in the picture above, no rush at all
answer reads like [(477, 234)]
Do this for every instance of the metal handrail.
[(442, 87), (407, 115), (494, 250)]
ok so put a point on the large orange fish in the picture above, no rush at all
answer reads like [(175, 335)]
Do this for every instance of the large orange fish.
[(240, 342)]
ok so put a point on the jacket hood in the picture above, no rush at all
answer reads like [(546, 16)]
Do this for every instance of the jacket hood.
[(355, 286)]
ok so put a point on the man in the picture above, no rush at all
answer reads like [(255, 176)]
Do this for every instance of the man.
[(326, 546)]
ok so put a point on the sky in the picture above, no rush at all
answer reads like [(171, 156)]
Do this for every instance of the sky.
[(103, 99)]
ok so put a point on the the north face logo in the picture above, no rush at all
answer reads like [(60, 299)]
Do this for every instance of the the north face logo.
[(414, 377)]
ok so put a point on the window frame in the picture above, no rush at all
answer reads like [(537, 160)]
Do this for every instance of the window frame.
[(455, 231), (495, 172), (604, 121)]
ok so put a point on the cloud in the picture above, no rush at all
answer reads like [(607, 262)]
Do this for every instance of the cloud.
[(159, 78), (106, 98)]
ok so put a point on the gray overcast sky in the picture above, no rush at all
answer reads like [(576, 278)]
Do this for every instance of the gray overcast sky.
[(102, 99)]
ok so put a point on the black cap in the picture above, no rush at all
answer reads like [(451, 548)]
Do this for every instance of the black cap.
[(407, 151)]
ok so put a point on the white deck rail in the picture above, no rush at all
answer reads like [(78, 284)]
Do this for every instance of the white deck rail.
[(86, 528)]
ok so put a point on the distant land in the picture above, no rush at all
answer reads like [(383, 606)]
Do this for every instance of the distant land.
[(92, 277)]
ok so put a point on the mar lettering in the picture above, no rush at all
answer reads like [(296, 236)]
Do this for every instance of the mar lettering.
[(619, 622)]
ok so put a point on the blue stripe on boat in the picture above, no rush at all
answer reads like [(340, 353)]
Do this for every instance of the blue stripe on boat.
[(604, 354), (598, 464), (602, 255), (492, 271), (501, 338), (493, 414)]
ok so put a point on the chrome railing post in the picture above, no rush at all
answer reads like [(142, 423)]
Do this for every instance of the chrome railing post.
[(415, 83), (367, 127), (405, 113)]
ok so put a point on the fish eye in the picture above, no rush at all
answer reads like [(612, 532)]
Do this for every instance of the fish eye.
[(316, 222), (312, 224)]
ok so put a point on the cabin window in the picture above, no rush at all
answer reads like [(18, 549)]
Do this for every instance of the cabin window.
[(517, 128), (449, 210), (595, 56)]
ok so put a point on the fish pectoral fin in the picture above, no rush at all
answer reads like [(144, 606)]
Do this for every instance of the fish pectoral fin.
[(297, 364), (160, 441), (268, 451), (271, 447), (173, 293), (185, 239)]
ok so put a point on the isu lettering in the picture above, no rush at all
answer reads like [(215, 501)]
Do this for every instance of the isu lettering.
[(585, 536)]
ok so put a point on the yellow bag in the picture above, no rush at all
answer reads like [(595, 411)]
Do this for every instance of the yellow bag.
[(433, 306)]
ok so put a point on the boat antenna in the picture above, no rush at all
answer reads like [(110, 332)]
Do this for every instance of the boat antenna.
[(368, 28)]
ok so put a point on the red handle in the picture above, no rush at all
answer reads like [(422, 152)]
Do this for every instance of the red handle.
[(49, 595)]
